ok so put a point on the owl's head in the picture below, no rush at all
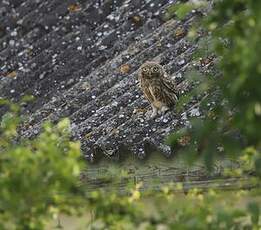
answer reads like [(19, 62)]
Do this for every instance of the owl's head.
[(151, 70)]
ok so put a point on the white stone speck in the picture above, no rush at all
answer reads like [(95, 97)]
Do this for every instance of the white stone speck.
[(181, 62), (110, 17), (11, 42), (13, 33), (20, 22), (195, 112), (102, 47), (165, 120), (121, 116), (115, 103)]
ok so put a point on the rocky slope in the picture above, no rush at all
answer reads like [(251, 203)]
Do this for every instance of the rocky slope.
[(80, 59)]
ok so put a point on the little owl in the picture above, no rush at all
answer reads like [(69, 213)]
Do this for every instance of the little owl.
[(157, 87)]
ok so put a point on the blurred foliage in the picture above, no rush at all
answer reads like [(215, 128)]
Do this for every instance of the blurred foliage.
[(38, 177), (230, 98), (39, 181), (195, 209), (180, 10)]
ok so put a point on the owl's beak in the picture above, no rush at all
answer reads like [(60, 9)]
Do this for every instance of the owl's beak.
[(150, 73)]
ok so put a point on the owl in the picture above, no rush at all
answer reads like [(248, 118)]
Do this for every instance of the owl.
[(157, 87)]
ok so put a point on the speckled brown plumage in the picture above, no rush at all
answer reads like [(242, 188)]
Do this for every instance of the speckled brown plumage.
[(157, 87)]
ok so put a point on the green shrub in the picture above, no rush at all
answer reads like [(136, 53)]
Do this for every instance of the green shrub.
[(231, 105), (38, 177)]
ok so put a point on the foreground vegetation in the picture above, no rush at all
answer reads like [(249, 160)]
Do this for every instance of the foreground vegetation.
[(39, 178), (40, 181)]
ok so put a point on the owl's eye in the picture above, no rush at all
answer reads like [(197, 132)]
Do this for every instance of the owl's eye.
[(145, 69), (156, 69)]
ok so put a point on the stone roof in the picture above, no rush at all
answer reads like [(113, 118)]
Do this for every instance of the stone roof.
[(80, 60)]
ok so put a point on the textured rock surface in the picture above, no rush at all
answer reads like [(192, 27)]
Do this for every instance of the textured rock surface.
[(80, 61)]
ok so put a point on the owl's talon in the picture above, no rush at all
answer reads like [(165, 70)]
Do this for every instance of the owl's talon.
[(164, 109), (153, 115)]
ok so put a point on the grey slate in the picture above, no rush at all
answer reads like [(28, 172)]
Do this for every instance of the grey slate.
[(70, 62)]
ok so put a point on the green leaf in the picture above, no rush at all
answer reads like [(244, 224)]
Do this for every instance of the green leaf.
[(258, 166), (255, 212), (183, 9)]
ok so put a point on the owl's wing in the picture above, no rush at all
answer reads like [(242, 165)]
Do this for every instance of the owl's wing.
[(164, 92), (169, 84)]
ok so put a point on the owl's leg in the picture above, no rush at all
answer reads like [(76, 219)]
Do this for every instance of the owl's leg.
[(154, 111)]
